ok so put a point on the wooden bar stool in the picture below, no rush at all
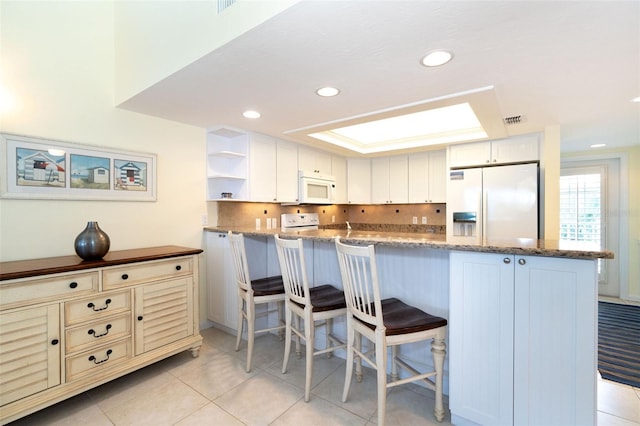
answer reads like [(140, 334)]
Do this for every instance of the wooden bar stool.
[(320, 303), (388, 322), (252, 293)]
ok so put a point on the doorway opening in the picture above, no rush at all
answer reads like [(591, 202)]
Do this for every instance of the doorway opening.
[(590, 213)]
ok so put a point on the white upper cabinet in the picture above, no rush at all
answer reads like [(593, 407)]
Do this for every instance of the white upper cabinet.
[(339, 172), (427, 177), (512, 150), (262, 168), (359, 181), (389, 180), (311, 160), (286, 172)]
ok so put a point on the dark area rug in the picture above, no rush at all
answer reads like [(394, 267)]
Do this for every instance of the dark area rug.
[(619, 342)]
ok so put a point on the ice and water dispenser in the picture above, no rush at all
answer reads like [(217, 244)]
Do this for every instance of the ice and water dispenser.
[(464, 224)]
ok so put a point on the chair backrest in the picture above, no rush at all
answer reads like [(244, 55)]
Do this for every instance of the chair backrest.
[(293, 270), (240, 265), (360, 282)]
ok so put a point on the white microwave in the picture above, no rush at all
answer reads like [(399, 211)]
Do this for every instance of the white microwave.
[(315, 188)]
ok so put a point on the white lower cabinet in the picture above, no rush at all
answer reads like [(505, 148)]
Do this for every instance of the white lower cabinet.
[(107, 321), (222, 293), (522, 334)]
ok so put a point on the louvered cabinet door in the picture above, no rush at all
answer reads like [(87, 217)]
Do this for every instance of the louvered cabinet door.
[(163, 313), (29, 352)]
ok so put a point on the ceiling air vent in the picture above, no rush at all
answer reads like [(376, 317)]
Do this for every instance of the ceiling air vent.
[(223, 4), (515, 119)]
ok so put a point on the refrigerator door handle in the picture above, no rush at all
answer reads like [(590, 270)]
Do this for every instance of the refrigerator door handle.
[(485, 209)]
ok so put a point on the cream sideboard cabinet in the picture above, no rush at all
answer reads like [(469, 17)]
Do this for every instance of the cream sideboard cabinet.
[(68, 325)]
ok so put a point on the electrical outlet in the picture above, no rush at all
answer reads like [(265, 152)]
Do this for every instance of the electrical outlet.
[(274, 223), (268, 223), (333, 219), (415, 220), (424, 220), (258, 223), (205, 220)]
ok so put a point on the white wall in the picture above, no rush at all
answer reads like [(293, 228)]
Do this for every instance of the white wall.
[(57, 61)]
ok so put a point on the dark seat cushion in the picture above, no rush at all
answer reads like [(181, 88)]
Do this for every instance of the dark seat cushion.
[(325, 298), (400, 318), (267, 286)]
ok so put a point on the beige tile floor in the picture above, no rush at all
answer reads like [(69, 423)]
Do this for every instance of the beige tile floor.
[(214, 389)]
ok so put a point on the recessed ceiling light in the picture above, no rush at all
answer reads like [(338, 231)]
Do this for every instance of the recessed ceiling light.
[(598, 145), (327, 91), (251, 114), (436, 58)]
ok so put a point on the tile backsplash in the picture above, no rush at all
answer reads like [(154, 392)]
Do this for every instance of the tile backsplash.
[(393, 217)]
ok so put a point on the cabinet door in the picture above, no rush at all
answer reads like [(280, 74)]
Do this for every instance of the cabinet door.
[(438, 176), (286, 172), (380, 180), (339, 172), (555, 341), (163, 313), (481, 337), (399, 180), (222, 295), (515, 150), (419, 178), (469, 154), (311, 160), (262, 168), (29, 351), (359, 180)]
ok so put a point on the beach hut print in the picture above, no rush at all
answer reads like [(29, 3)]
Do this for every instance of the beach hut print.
[(98, 175), (130, 175), (41, 168)]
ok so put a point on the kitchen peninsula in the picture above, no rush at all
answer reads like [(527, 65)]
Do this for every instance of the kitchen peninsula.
[(522, 344)]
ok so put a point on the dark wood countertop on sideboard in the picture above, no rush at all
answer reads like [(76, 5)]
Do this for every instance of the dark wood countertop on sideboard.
[(53, 265)]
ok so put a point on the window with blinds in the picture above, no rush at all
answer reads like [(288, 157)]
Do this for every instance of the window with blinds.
[(581, 208)]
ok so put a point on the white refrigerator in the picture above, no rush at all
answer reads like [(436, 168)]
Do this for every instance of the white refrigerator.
[(499, 202)]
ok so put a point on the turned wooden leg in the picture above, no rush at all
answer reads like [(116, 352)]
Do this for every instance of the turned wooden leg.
[(438, 350)]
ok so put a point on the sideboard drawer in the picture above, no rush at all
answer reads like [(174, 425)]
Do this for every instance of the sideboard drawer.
[(98, 359), (96, 333), (44, 289), (151, 271), (97, 306)]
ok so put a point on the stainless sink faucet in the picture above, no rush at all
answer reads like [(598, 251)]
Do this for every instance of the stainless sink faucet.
[(348, 226)]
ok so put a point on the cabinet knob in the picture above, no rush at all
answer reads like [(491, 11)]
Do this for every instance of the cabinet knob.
[(140, 317), (73, 285), (495, 161), (125, 276), (522, 261), (55, 342), (506, 260), (488, 161), (178, 267)]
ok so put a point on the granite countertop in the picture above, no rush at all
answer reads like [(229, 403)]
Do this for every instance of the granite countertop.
[(529, 247)]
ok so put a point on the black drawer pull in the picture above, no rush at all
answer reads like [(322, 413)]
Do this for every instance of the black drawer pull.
[(140, 317), (95, 361), (92, 331), (55, 342), (125, 276), (92, 306), (73, 284), (178, 267)]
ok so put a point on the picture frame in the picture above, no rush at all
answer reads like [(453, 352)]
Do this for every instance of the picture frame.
[(37, 168)]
